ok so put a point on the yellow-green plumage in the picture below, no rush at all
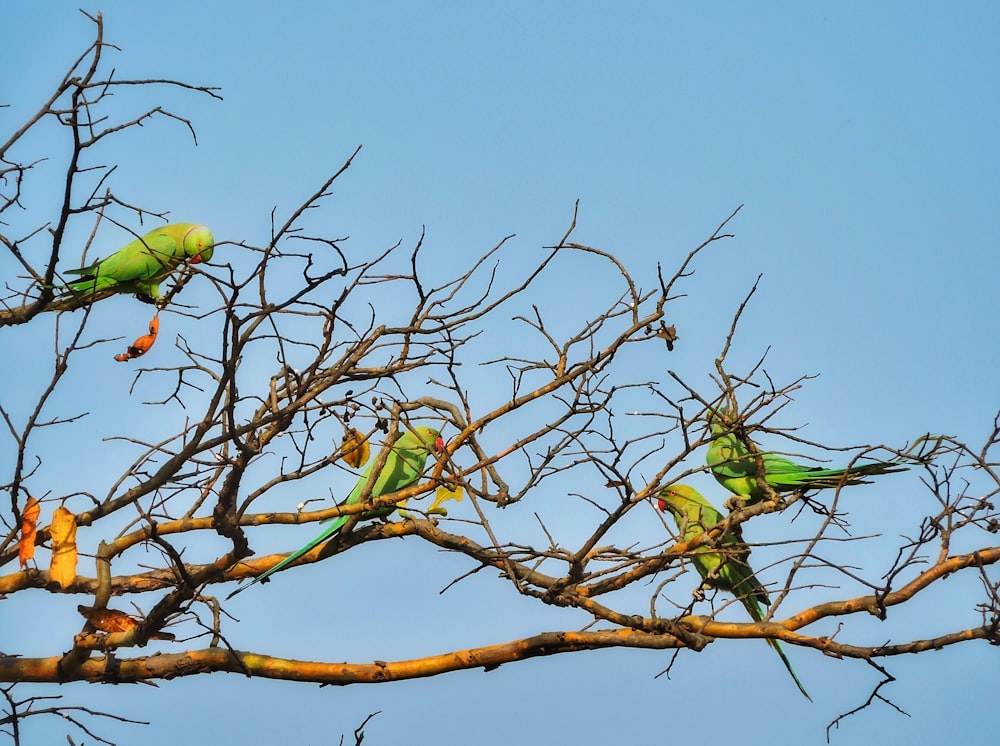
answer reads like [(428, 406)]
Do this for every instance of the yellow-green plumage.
[(735, 467), (404, 465), (724, 566), (140, 266)]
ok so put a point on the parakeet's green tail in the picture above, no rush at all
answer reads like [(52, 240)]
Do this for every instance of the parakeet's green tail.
[(781, 653), (90, 283), (820, 478), (757, 613), (333, 529)]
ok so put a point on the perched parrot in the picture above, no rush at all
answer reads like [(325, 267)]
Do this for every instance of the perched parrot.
[(403, 466), (140, 266), (736, 469), (725, 568)]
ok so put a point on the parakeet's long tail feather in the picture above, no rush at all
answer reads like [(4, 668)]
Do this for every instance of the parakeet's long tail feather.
[(833, 478), (781, 653), (327, 534), (85, 272), (757, 614), (89, 284)]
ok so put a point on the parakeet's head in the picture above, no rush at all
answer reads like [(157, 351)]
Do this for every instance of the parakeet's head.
[(199, 244), (422, 438), (719, 419), (677, 498)]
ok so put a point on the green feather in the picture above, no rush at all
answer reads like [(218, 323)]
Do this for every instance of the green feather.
[(404, 465), (140, 266), (735, 467), (725, 567)]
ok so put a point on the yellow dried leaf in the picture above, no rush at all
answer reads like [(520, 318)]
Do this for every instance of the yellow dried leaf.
[(63, 535), (355, 448), (29, 521), (445, 492)]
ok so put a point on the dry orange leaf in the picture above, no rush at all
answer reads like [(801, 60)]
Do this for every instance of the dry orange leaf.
[(355, 448), (141, 346), (29, 520), (63, 535), (108, 620), (113, 620)]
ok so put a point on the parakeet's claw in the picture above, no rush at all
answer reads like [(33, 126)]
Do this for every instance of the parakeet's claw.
[(712, 576), (147, 298), (735, 503), (698, 594)]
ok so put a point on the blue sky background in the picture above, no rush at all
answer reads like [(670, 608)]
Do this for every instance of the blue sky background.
[(862, 140)]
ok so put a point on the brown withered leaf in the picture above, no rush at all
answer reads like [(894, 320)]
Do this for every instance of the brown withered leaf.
[(62, 532), (29, 528), (141, 346), (108, 620), (355, 448), (113, 620)]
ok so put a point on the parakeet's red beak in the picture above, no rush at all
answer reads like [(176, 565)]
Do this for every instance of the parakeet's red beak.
[(439, 444), (196, 259), (662, 505)]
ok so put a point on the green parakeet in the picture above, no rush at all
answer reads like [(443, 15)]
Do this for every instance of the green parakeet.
[(140, 266), (404, 465), (725, 567), (736, 469)]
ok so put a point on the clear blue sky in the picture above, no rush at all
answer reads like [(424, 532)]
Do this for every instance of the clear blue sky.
[(862, 140)]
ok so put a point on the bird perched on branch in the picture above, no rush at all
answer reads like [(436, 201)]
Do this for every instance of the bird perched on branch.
[(735, 467), (404, 465), (140, 266), (725, 567)]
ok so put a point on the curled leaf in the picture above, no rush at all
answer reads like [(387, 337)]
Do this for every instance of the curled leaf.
[(63, 535), (355, 448), (445, 492), (29, 521), (108, 620), (113, 620), (141, 346)]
